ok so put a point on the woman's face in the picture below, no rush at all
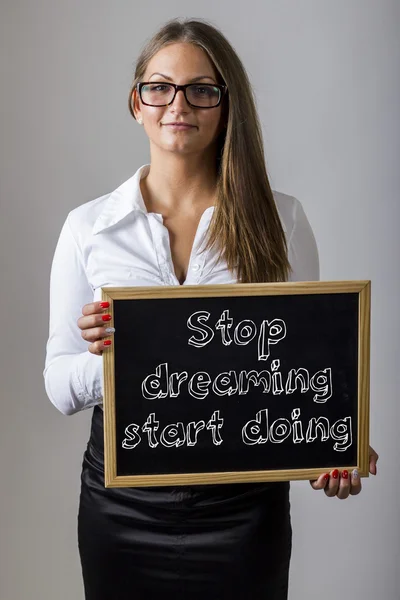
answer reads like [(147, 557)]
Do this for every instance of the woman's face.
[(180, 63)]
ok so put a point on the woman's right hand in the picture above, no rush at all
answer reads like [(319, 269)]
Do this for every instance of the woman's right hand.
[(95, 326)]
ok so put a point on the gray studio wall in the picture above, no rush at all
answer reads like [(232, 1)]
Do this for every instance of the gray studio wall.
[(327, 80)]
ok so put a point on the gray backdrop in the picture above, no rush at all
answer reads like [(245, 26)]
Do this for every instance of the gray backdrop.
[(327, 80)]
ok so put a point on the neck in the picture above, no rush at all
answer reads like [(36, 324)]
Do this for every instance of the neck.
[(179, 183)]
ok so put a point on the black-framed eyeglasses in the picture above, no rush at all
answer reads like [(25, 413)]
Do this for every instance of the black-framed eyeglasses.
[(198, 95)]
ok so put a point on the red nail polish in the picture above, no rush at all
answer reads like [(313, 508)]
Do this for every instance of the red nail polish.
[(107, 343), (335, 474), (104, 304), (106, 317), (345, 474), (326, 477)]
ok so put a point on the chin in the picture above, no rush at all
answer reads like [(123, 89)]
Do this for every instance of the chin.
[(180, 148)]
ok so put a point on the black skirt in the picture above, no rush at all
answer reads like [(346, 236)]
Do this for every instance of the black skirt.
[(210, 542)]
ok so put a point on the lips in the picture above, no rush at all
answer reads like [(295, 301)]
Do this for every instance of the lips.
[(180, 124)]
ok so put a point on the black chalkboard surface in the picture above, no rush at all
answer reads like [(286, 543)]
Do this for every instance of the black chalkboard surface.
[(229, 383)]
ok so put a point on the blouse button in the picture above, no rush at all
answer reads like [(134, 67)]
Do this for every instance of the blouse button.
[(195, 267)]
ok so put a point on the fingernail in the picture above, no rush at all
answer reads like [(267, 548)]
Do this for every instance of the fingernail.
[(326, 477), (107, 343), (104, 304), (109, 330), (355, 474), (345, 474), (335, 474), (106, 317)]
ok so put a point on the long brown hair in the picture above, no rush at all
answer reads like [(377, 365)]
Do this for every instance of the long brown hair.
[(245, 226)]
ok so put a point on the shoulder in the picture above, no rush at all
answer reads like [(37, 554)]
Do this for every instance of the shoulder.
[(302, 246), (288, 208), (82, 218)]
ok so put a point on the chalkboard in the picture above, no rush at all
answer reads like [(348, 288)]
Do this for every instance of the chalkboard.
[(236, 383)]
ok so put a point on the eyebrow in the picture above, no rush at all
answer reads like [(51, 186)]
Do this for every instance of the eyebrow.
[(190, 80)]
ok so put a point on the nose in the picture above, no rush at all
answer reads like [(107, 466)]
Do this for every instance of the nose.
[(180, 102)]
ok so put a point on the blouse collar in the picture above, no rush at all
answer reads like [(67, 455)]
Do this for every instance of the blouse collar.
[(122, 201)]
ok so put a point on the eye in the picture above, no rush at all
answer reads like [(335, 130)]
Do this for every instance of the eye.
[(157, 87), (203, 90)]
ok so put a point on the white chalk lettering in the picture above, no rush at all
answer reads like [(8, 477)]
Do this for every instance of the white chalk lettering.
[(245, 332), (175, 382), (297, 427), (277, 386), (280, 430), (198, 385), (321, 424), (322, 382), (207, 333), (271, 332), (256, 430), (192, 431), (163, 383), (132, 437), (150, 427), (298, 374), (156, 384), (257, 378), (225, 383), (260, 430), (173, 435), (215, 424), (224, 323), (341, 431)]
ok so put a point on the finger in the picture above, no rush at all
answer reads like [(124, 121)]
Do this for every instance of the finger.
[(373, 459), (344, 486), (95, 307), (355, 483), (93, 320), (96, 333), (372, 452), (320, 483), (99, 346), (333, 485)]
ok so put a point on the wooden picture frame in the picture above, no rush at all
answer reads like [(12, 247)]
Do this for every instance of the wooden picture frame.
[(114, 295)]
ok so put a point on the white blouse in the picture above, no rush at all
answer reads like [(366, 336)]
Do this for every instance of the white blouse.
[(114, 241)]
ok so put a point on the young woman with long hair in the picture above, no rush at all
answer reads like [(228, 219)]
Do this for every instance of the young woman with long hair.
[(202, 212)]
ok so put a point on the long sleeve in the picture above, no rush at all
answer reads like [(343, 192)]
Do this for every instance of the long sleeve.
[(73, 376), (302, 248)]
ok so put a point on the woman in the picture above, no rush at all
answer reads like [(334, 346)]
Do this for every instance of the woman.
[(206, 182)]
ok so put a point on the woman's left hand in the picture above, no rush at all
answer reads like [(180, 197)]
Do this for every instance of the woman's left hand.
[(341, 484)]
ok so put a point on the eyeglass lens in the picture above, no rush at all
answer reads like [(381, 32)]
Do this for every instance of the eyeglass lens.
[(200, 95)]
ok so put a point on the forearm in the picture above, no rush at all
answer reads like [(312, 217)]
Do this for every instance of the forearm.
[(74, 382), (73, 376)]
